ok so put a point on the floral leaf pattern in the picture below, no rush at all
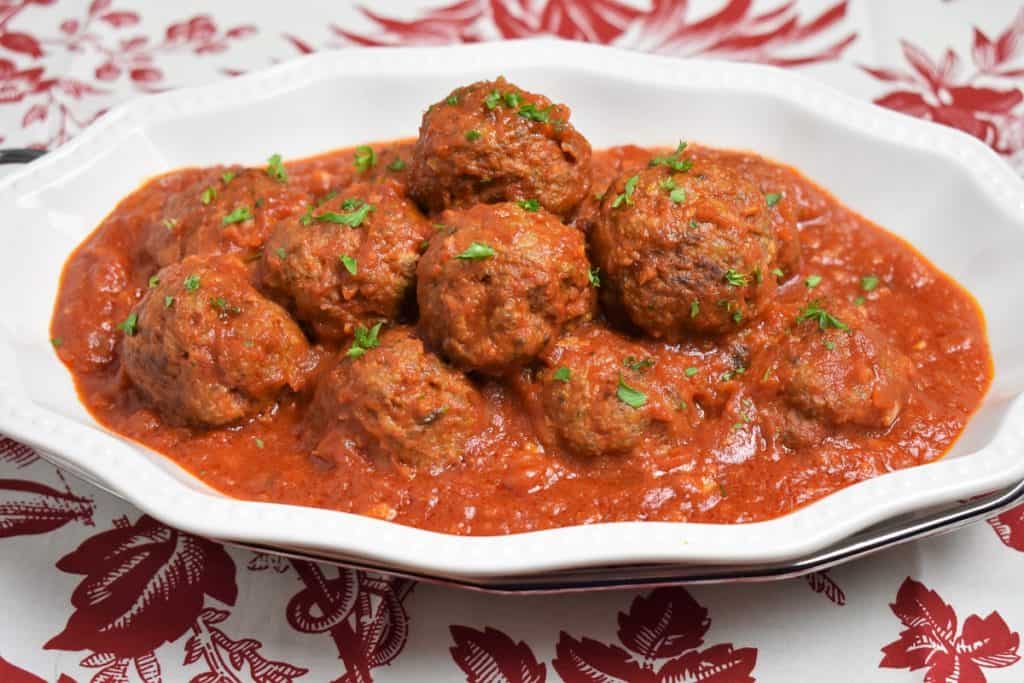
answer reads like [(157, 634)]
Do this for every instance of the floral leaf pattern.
[(1009, 526), (984, 102), (490, 656), (931, 639), (822, 582), (27, 507)]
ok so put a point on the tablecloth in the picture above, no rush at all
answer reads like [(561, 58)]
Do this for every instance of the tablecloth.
[(93, 590)]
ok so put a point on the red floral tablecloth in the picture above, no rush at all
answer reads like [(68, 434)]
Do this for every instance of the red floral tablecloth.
[(92, 590)]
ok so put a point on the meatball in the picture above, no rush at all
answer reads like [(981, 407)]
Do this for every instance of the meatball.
[(596, 394), (395, 400), (492, 142), (349, 262), (684, 251), (836, 367), (499, 284), (225, 211), (207, 349)]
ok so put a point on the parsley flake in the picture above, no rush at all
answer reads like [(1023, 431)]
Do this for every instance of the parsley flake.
[(56, 342), (691, 371), (350, 264), (365, 339), (472, 135), (258, 441), (130, 325), (452, 99), (397, 165), (812, 281), (595, 276), (814, 311), (734, 278), (627, 194), (239, 215), (562, 374), (170, 223), (673, 161), (868, 283), (694, 308), (678, 195), (281, 253), (492, 100), (772, 198), (476, 252), (531, 113), (227, 176), (364, 158), (192, 283), (630, 396), (353, 218), (638, 364), (208, 195), (778, 272), (154, 280), (529, 204), (276, 170), (168, 301)]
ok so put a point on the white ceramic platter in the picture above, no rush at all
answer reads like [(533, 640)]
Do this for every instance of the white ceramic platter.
[(942, 190)]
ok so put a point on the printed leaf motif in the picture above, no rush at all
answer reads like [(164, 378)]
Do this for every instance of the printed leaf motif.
[(490, 656), (590, 661), (717, 664), (9, 673), (822, 582), (11, 451), (1010, 527), (144, 585), (930, 639), (27, 507), (22, 43), (663, 623)]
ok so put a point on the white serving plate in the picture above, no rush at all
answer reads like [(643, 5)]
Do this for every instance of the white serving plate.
[(944, 191)]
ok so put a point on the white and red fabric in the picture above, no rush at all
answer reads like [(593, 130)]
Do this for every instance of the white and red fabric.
[(92, 590)]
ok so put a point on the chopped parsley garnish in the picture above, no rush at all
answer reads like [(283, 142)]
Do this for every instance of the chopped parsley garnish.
[(812, 281), (170, 223), (222, 305), (397, 165), (472, 135), (859, 301), (562, 374), (772, 198), (667, 184), (638, 364), (694, 308), (364, 158), (154, 280), (778, 272), (492, 100), (737, 316), (529, 204), (513, 99), (691, 371), (353, 218), (730, 374), (56, 342), (531, 113), (678, 195), (475, 252), (694, 224), (276, 170), (326, 198), (365, 339), (735, 278), (281, 253), (258, 441), (130, 325), (595, 276), (452, 99), (192, 283), (227, 176), (829, 344), (258, 203), (350, 264), (630, 396), (814, 311), (168, 301), (673, 161), (868, 283), (208, 195), (758, 278), (627, 195), (240, 214)]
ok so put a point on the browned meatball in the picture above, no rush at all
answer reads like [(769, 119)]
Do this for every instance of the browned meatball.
[(225, 211), (499, 284), (207, 349), (684, 251), (836, 367), (493, 142), (395, 400), (596, 393), (351, 261)]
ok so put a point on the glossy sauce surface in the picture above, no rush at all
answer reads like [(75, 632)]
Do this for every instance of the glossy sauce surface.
[(724, 466)]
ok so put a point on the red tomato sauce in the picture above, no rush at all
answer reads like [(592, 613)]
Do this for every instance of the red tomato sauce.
[(723, 469)]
